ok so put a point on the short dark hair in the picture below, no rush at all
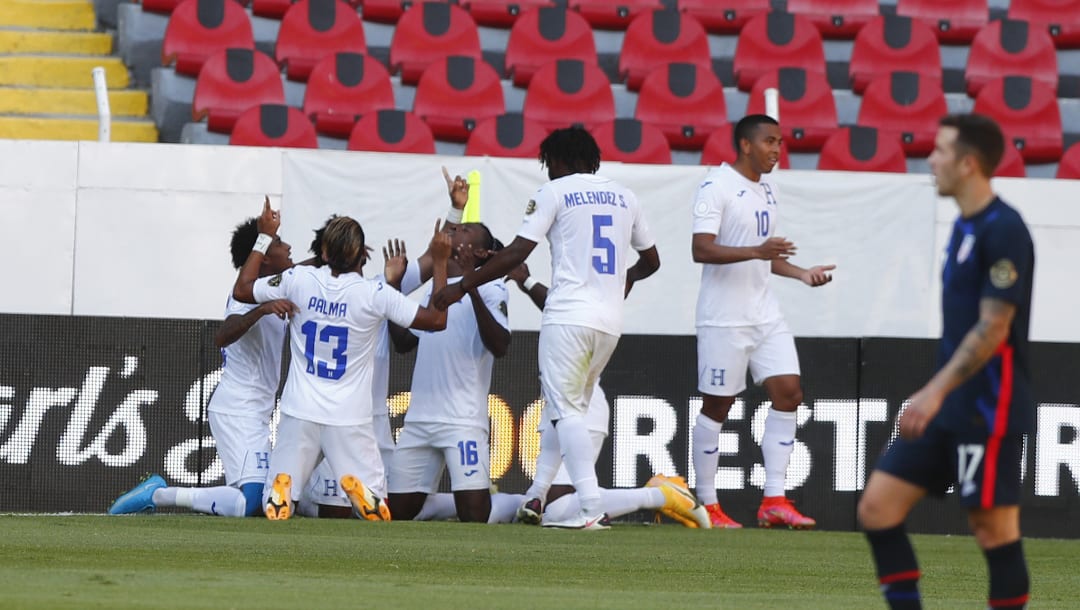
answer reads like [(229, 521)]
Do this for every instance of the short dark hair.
[(573, 147), (980, 136), (243, 240), (343, 242), (316, 243), (746, 127)]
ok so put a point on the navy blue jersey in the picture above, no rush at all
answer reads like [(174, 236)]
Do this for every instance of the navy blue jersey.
[(990, 255)]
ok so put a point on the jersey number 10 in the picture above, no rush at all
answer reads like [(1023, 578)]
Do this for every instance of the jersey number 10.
[(604, 262), (339, 335), (762, 217)]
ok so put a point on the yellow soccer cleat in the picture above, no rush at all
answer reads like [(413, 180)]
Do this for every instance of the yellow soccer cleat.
[(280, 505), (366, 505), (679, 503)]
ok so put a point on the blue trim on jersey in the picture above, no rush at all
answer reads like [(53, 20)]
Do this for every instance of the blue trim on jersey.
[(253, 493)]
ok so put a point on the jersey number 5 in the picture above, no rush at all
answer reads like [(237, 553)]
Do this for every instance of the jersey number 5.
[(339, 335), (605, 261)]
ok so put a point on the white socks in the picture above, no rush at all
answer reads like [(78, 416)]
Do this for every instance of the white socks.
[(577, 454), (224, 501), (437, 507), (504, 507), (777, 443), (547, 465), (615, 502), (706, 456)]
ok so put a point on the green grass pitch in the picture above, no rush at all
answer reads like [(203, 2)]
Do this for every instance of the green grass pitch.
[(187, 561)]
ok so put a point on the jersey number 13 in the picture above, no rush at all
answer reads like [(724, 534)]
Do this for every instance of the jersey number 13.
[(339, 336)]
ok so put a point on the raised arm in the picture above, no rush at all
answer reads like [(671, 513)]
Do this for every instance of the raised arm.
[(705, 250), (268, 224), (497, 266), (458, 189), (978, 346), (431, 317)]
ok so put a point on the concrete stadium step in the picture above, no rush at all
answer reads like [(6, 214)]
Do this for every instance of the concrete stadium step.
[(60, 71), (30, 101), (20, 40), (48, 14), (74, 128)]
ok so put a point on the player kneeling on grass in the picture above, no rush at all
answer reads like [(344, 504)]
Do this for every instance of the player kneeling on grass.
[(326, 406), (241, 407)]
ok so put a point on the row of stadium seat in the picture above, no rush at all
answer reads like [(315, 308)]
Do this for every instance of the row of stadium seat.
[(856, 148), (956, 21), (685, 101), (312, 29)]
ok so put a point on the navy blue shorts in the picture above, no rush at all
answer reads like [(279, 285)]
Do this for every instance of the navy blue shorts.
[(985, 470)]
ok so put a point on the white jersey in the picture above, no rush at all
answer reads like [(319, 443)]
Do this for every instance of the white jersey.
[(251, 367), (380, 380), (333, 341), (452, 375), (591, 223), (740, 213)]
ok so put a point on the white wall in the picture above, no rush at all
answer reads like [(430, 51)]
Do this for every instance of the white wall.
[(143, 229)]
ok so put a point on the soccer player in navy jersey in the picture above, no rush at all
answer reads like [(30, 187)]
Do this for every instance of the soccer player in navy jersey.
[(965, 427)]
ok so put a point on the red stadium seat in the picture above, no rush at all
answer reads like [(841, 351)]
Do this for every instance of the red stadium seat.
[(541, 36), (612, 14), (455, 94), (807, 107), (955, 21), (392, 131), (507, 135), (777, 40), (1028, 113), (198, 29), (160, 6), (893, 44), (631, 141), (569, 91), (836, 18), (1059, 17), (1007, 47), (232, 81), (428, 32), (1011, 165), (1069, 166), (657, 38), (501, 13), (906, 105), (271, 9), (720, 148), (685, 101), (724, 16), (313, 29), (273, 125), (388, 11), (862, 149), (342, 88)]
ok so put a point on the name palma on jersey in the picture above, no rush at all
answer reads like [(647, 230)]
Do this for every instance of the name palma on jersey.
[(327, 308), (593, 198)]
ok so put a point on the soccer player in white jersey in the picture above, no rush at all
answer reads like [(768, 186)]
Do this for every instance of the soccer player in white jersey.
[(250, 340), (739, 323), (326, 406), (591, 222), (667, 495), (447, 423)]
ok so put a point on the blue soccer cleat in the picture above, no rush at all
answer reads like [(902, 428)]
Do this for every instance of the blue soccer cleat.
[(140, 499)]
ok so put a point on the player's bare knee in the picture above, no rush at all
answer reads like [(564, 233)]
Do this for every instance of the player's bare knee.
[(716, 408), (993, 529), (875, 513)]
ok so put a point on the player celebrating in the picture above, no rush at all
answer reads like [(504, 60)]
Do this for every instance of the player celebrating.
[(966, 425), (738, 320), (326, 405), (240, 409), (590, 222)]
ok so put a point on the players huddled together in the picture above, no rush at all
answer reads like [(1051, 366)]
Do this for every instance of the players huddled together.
[(335, 454)]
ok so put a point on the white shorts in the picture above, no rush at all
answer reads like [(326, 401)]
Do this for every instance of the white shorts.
[(243, 445), (563, 477), (384, 437), (724, 352), (425, 448), (301, 444), (571, 359), (324, 487)]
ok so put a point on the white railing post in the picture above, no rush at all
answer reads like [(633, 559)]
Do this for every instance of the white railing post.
[(101, 91)]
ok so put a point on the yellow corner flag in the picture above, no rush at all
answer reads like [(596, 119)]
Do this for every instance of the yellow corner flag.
[(472, 208)]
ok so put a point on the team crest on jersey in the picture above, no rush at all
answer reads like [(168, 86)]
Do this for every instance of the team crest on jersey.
[(529, 209), (1003, 274), (275, 281), (966, 246), (701, 207)]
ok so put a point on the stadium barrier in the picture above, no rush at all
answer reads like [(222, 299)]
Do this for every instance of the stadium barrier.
[(90, 404)]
